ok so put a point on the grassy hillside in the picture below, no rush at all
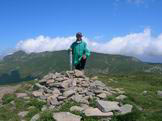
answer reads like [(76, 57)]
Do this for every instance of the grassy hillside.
[(21, 66), (147, 106)]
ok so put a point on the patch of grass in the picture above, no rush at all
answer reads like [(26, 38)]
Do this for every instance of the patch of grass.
[(31, 113), (8, 98), (46, 116), (37, 103), (25, 86), (6, 113), (93, 102), (134, 85), (20, 104), (67, 105), (85, 118), (111, 98)]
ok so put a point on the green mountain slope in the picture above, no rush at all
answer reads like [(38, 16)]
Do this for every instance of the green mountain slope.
[(21, 66)]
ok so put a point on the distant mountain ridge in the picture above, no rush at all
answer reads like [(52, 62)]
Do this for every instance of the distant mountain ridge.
[(21, 66)]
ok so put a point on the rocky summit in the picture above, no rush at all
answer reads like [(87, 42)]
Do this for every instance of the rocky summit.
[(57, 88)]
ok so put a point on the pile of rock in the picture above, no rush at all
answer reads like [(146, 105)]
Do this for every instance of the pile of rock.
[(55, 88)]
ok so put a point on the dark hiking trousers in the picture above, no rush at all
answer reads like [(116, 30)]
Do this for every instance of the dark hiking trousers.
[(81, 64)]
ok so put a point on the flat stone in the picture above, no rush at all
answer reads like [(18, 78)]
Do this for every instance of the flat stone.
[(53, 100), (102, 96), (35, 117), (126, 109), (26, 98), (50, 81), (59, 79), (68, 93), (98, 91), (56, 91), (96, 112), (121, 97), (107, 106), (94, 78), (76, 109), (145, 93), (84, 106), (90, 93), (79, 73), (66, 84), (21, 95), (37, 93), (159, 93), (31, 107), (99, 83), (23, 114), (38, 86), (66, 116), (44, 108), (79, 99), (61, 98), (43, 97)]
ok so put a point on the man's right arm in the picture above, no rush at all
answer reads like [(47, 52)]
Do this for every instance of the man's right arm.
[(71, 47)]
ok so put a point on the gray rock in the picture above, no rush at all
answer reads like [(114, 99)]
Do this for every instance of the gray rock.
[(99, 83), (31, 107), (66, 84), (90, 93), (68, 93), (35, 117), (43, 97), (102, 96), (84, 106), (98, 91), (53, 100), (60, 79), (37, 93), (66, 116), (76, 109), (44, 108), (21, 95), (38, 86), (79, 73), (56, 91), (94, 78), (13, 103), (144, 92), (107, 106), (159, 93), (121, 97), (126, 109), (80, 99), (22, 114), (61, 98), (50, 81), (96, 112)]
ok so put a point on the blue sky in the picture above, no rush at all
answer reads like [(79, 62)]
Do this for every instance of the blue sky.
[(99, 20)]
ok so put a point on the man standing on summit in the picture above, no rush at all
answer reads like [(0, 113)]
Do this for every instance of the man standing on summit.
[(80, 52)]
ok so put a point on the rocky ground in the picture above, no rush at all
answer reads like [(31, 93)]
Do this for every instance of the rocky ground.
[(70, 96), (57, 88)]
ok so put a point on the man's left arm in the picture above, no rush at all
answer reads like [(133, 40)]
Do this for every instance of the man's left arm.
[(87, 51)]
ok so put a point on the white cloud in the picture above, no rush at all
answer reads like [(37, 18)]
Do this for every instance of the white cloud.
[(134, 44)]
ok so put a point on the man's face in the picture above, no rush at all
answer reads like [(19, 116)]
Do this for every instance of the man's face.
[(79, 37)]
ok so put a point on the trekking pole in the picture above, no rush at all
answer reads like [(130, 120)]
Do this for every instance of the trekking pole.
[(71, 60)]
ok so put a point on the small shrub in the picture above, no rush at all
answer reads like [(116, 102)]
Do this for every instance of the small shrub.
[(46, 116), (31, 113), (37, 103), (93, 102), (67, 105), (8, 98)]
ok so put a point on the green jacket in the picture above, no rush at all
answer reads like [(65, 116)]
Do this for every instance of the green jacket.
[(78, 50)]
